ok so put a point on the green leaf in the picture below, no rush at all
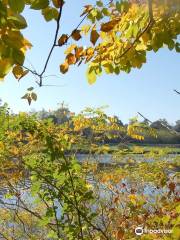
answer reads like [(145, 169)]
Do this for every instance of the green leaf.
[(36, 186), (124, 6), (50, 13), (52, 235), (99, 15), (3, 10), (108, 68), (49, 212), (30, 89), (14, 40), (99, 3), (17, 6), (165, 219), (18, 21), (135, 31), (171, 45), (117, 70), (5, 67), (105, 11), (34, 96), (91, 76), (177, 47), (118, 6), (18, 56), (176, 232), (129, 32), (40, 4)]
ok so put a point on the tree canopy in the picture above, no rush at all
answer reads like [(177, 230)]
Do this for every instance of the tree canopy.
[(120, 34)]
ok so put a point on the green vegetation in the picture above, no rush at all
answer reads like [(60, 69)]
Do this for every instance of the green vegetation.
[(49, 194)]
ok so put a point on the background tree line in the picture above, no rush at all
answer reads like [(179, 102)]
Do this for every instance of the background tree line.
[(163, 128)]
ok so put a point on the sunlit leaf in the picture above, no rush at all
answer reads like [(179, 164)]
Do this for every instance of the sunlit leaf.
[(18, 21), (91, 76), (39, 4)]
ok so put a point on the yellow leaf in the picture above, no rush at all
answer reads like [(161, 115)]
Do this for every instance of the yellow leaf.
[(141, 47), (1, 146), (85, 29), (91, 77), (5, 67), (133, 198), (70, 49), (27, 44), (90, 51)]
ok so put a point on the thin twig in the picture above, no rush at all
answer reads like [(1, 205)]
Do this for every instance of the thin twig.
[(54, 44), (176, 91), (4, 236), (150, 10)]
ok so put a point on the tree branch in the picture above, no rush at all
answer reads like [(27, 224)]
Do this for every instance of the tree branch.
[(137, 39), (150, 10), (176, 91), (162, 124), (40, 75), (54, 44)]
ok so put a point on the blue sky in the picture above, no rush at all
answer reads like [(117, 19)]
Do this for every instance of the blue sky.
[(148, 90)]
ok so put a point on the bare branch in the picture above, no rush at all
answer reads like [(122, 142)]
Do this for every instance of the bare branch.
[(176, 91), (54, 44)]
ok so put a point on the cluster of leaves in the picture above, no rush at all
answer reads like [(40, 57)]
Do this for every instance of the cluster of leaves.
[(57, 184), (13, 45), (139, 130), (122, 33)]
